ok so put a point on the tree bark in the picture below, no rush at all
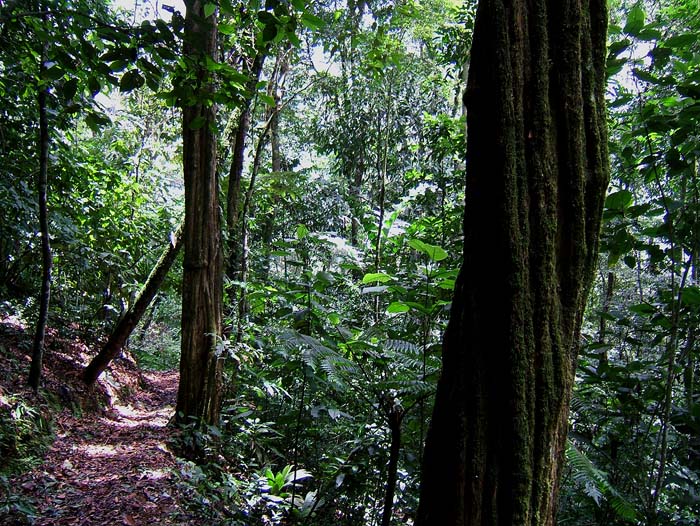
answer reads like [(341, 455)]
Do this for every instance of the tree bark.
[(536, 178), (46, 257), (233, 194), (395, 420), (603, 323), (199, 391), (127, 323)]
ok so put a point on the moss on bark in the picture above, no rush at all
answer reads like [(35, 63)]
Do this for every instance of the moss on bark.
[(536, 179), (202, 280)]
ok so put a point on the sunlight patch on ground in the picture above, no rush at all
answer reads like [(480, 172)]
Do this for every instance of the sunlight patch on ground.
[(97, 450), (155, 474), (134, 417)]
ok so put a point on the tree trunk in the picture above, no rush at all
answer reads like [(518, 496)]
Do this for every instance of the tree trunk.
[(244, 234), (233, 193), (602, 327), (395, 421), (536, 179), (128, 322), (46, 257), (199, 391)]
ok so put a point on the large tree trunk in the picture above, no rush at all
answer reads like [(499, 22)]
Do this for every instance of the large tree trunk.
[(46, 257), (127, 323), (199, 391), (536, 179)]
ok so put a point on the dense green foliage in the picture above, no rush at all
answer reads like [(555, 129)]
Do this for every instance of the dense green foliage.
[(349, 225)]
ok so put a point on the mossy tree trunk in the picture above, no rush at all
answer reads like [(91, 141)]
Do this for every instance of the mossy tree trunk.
[(536, 180), (199, 392), (127, 323)]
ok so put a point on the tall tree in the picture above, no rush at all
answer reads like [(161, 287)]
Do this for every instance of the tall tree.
[(200, 364), (536, 180), (46, 257)]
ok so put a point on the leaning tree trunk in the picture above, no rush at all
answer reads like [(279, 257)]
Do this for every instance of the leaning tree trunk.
[(127, 323), (199, 391), (536, 179), (46, 257)]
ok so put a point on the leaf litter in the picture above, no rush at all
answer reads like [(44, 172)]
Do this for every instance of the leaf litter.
[(109, 462)]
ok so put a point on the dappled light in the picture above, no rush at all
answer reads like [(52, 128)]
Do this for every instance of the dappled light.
[(349, 262)]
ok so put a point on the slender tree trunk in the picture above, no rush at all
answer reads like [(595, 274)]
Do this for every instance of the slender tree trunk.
[(277, 92), (202, 281), (244, 233), (603, 323), (395, 421), (233, 194), (46, 257), (536, 179), (127, 323)]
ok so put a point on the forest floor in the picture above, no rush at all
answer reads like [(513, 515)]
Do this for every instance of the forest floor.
[(109, 462)]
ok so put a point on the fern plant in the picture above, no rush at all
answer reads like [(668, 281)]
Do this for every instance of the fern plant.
[(596, 485)]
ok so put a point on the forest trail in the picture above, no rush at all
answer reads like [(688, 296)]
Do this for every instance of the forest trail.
[(112, 469), (115, 469), (108, 465)]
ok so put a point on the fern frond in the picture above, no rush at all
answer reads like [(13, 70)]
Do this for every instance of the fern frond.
[(596, 484), (402, 346)]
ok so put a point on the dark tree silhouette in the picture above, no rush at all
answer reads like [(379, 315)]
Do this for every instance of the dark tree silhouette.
[(536, 180)]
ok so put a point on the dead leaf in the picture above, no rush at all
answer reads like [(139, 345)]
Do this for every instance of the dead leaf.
[(128, 520)]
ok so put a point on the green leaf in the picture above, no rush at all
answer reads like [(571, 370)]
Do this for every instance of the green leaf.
[(270, 32), (376, 276), (691, 296), (94, 85), (645, 76), (645, 309), (197, 123), (615, 48), (649, 34), (683, 40), (619, 200), (267, 99), (312, 22), (434, 252), (209, 10), (689, 90), (132, 79), (54, 72), (228, 29), (302, 232), (635, 21), (227, 7), (614, 66), (397, 307), (69, 89), (96, 120)]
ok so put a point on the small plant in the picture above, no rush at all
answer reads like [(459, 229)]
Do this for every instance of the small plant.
[(277, 482), (24, 435), (14, 508)]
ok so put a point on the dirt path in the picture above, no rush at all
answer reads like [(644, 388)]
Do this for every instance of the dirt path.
[(112, 469)]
